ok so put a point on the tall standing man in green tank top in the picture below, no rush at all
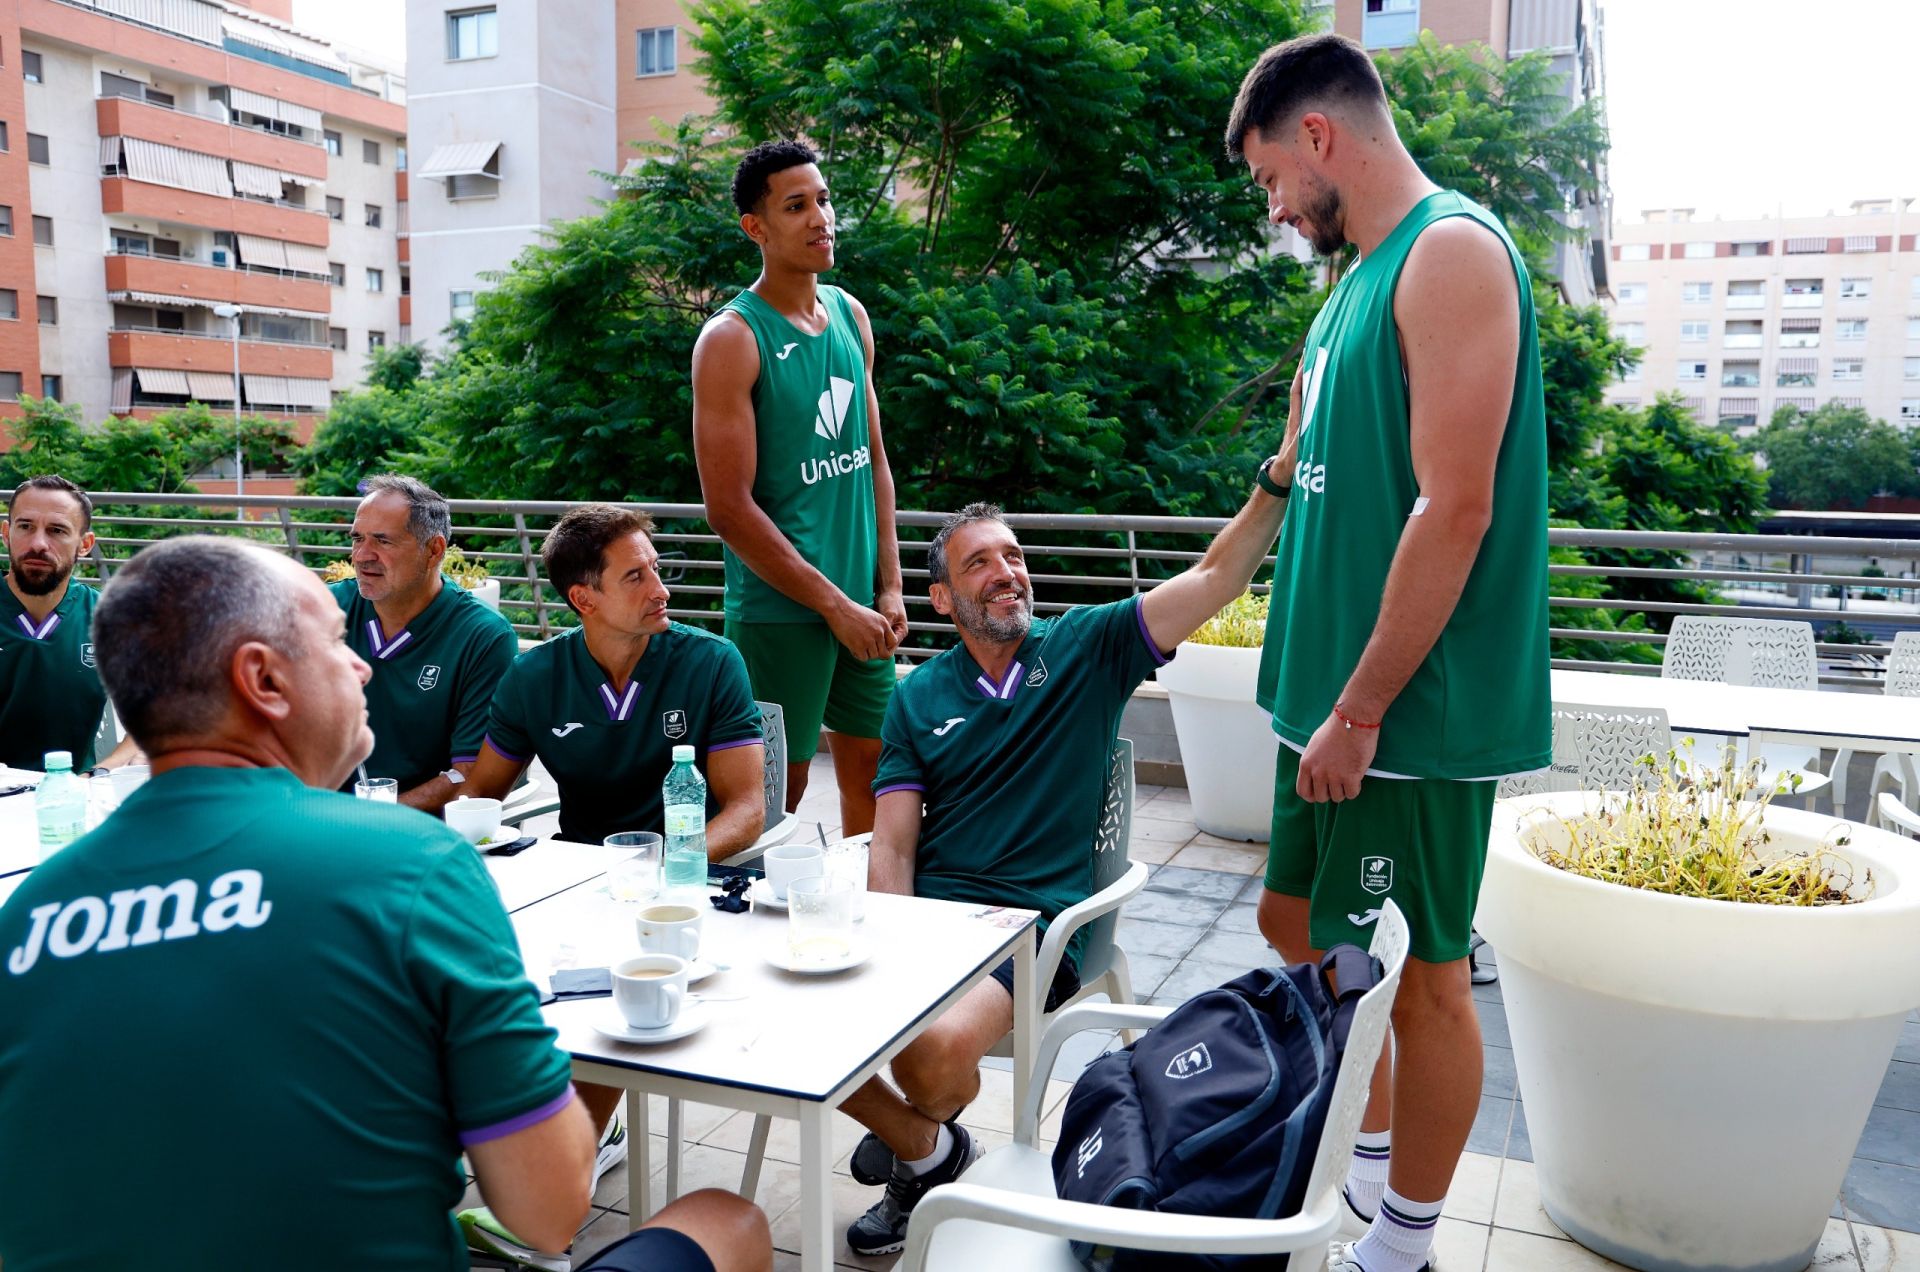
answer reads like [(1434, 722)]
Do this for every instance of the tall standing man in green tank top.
[(1406, 652), (786, 430)]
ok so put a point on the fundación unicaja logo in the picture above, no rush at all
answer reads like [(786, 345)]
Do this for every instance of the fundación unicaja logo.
[(833, 408)]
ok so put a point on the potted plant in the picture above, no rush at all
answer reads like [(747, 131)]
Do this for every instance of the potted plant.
[(471, 575), (1703, 993), (1227, 743)]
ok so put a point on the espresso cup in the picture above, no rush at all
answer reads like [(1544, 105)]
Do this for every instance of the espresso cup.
[(650, 989), (670, 928), (789, 862), (475, 818)]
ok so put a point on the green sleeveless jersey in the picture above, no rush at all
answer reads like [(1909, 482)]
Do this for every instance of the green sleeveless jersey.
[(1479, 705), (814, 477)]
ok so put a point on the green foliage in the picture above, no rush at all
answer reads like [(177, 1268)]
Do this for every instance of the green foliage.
[(1834, 457), (160, 455), (378, 429), (396, 367)]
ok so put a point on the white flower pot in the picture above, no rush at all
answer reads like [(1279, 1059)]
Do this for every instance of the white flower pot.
[(1227, 743), (487, 593), (1696, 1074)]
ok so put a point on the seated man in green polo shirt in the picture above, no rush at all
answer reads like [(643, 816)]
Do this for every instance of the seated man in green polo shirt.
[(437, 653), (992, 775), (50, 693)]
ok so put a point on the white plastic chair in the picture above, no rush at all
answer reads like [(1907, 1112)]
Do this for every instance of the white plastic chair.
[(1759, 652), (1888, 813), (1004, 1213), (1595, 749), (1895, 769), (781, 824)]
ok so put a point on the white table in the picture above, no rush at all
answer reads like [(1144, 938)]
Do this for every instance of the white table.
[(1856, 721), (547, 869), (794, 1046)]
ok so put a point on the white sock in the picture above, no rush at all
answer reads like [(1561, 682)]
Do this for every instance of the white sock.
[(1401, 1236), (1367, 1172), (942, 1149)]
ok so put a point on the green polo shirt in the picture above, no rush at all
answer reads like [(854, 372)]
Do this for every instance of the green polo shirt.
[(274, 1003), (610, 751), (433, 681), (51, 698), (1014, 771)]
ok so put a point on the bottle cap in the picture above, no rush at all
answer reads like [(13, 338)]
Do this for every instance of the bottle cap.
[(58, 761), (683, 755)]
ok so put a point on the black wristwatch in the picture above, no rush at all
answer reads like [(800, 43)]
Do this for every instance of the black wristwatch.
[(1267, 483)]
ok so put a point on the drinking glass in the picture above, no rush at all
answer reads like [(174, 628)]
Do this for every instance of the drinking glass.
[(819, 920), (635, 878), (381, 790), (847, 860)]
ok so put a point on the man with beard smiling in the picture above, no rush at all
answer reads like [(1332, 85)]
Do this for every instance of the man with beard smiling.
[(992, 777), (51, 698)]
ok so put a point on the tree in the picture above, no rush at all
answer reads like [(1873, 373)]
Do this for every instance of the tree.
[(1834, 457), (375, 430), (159, 455)]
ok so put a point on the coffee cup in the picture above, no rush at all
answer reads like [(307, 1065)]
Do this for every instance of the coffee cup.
[(650, 989), (670, 928), (477, 819), (789, 862)]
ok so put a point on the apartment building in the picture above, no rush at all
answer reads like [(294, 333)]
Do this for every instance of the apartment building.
[(171, 167), (1743, 317), (1571, 32)]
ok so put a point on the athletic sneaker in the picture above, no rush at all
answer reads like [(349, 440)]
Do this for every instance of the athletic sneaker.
[(883, 1229), (872, 1161), (485, 1235), (1340, 1259)]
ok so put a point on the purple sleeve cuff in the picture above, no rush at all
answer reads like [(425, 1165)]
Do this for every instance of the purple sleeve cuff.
[(1160, 659), (502, 751), (728, 746), (469, 759), (900, 786), (532, 1117)]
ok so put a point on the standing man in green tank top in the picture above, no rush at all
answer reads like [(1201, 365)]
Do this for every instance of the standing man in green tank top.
[(1406, 653), (786, 430)]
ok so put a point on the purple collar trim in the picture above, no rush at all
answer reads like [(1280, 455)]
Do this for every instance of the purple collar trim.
[(385, 649), (1007, 687), (41, 632), (619, 707)]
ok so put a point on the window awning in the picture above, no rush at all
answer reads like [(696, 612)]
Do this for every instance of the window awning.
[(1862, 243), (307, 260), (271, 312), (1808, 243), (462, 159), (273, 108), (210, 386), (254, 250), (284, 390), (1799, 324), (122, 399), (1739, 406), (1798, 366), (1694, 404), (171, 383), (155, 298), (1797, 403), (156, 164), (251, 178), (1844, 401)]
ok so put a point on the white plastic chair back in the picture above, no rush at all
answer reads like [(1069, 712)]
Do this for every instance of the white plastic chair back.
[(773, 722), (1903, 666), (1760, 652), (1109, 858), (1595, 748)]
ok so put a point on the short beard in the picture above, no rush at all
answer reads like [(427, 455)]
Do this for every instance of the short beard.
[(971, 617), (1325, 216), (56, 577)]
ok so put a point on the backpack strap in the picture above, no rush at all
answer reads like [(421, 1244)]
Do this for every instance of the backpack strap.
[(1354, 972)]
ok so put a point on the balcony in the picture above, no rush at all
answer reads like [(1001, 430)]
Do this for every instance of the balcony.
[(124, 117), (188, 207), (1747, 302), (178, 351), (167, 276), (1803, 300), (1748, 340)]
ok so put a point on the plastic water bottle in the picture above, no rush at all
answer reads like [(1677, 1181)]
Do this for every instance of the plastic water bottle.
[(60, 804), (685, 795)]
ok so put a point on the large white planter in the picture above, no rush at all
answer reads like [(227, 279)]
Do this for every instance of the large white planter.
[(488, 593), (1696, 1074), (1227, 744)]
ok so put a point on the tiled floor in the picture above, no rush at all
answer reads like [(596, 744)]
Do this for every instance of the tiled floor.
[(1192, 928)]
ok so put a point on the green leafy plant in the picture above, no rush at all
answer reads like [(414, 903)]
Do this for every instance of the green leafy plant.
[(1694, 830), (468, 574), (1242, 624)]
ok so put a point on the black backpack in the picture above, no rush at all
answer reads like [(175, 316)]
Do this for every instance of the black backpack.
[(1218, 1110)]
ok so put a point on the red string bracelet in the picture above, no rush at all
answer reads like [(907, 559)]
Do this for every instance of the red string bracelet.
[(1349, 721)]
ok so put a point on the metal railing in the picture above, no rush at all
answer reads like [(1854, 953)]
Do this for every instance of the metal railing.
[(1075, 559)]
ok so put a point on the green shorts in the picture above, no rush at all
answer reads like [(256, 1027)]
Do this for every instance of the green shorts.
[(1422, 842), (815, 679)]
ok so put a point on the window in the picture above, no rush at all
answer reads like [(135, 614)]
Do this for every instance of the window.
[(1631, 375), (369, 151), (1913, 328), (9, 386), (473, 33), (1849, 369), (1799, 333), (376, 279), (332, 139), (1634, 333), (336, 209), (1631, 293), (654, 51), (1856, 288), (1692, 371), (337, 337), (127, 243), (169, 248), (1913, 287), (1803, 293), (6, 220), (1747, 293), (37, 148), (1910, 408), (1796, 373), (9, 304), (50, 387), (1693, 332), (1753, 247), (1696, 251), (1850, 329), (43, 231), (373, 215), (399, 157), (1743, 334), (1913, 369), (406, 283), (30, 67), (1739, 375), (5, 142), (50, 314), (476, 185), (460, 306), (1696, 293), (1634, 252), (1860, 243), (376, 340), (338, 273)]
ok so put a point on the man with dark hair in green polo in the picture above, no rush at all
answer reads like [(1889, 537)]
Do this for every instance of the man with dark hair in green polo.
[(990, 791), (436, 652), (51, 698), (786, 430)]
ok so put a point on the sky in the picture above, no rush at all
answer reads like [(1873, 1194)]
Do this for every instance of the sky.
[(1731, 107), (1750, 107)]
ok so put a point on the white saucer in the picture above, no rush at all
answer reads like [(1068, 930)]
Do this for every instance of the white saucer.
[(778, 954), (699, 970), (761, 893), (693, 1018)]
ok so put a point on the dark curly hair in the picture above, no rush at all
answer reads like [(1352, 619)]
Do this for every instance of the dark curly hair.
[(765, 159)]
